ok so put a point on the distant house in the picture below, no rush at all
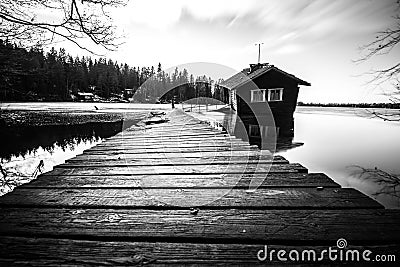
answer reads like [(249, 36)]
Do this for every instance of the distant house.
[(129, 93), (81, 96), (250, 89)]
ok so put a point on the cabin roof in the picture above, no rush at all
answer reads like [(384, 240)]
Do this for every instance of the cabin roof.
[(246, 75)]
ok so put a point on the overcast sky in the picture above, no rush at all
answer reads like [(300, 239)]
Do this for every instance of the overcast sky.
[(314, 40)]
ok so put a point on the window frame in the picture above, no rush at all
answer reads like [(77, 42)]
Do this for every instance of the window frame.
[(264, 94), (270, 93)]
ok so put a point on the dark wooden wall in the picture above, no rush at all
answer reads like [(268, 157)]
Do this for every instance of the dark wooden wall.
[(282, 111)]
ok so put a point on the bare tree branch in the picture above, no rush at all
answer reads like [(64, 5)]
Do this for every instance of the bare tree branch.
[(383, 44), (42, 21), (390, 183)]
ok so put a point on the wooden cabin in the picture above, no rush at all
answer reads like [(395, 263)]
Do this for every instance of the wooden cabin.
[(249, 91), (82, 96)]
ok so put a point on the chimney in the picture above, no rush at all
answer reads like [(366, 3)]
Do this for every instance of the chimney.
[(254, 67)]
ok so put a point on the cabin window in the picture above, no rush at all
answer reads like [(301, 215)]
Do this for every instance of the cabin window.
[(275, 94), (254, 131), (258, 95)]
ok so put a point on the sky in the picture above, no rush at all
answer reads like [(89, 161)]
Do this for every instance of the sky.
[(317, 41)]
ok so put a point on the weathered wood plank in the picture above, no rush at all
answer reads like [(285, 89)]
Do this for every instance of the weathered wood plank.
[(165, 162), (272, 180), (61, 252), (144, 145), (141, 138), (187, 154), (138, 130), (217, 159), (168, 142), (184, 134), (183, 169), (204, 142), (172, 141), (262, 198), (174, 123), (176, 132), (165, 150), (177, 147), (359, 227), (175, 128), (168, 139), (184, 155)]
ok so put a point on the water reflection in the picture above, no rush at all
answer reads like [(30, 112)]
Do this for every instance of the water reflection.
[(261, 132), (337, 141), (29, 149), (22, 140)]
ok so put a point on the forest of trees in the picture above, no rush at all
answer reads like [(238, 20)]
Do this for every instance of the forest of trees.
[(33, 74)]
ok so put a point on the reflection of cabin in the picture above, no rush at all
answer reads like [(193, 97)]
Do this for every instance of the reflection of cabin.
[(81, 96), (251, 89)]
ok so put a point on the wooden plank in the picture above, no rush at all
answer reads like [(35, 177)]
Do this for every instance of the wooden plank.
[(184, 169), (174, 138), (174, 124), (178, 131), (205, 159), (359, 227), (193, 134), (144, 145), (175, 128), (57, 252), (272, 180), (193, 141), (174, 141), (184, 143), (115, 155), (165, 162), (165, 150), (262, 198), (177, 144), (141, 138)]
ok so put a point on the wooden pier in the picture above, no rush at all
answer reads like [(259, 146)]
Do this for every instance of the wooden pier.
[(152, 195)]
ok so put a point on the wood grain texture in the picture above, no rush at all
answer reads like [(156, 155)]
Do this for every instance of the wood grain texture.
[(174, 134), (193, 139), (270, 180), (183, 169), (262, 198), (168, 162), (177, 160), (177, 148), (161, 145), (94, 155), (208, 226), (69, 252), (128, 150)]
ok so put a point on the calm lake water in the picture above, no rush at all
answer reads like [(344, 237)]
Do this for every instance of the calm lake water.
[(338, 139), (24, 147)]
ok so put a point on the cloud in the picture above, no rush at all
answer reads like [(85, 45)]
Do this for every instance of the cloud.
[(314, 39)]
